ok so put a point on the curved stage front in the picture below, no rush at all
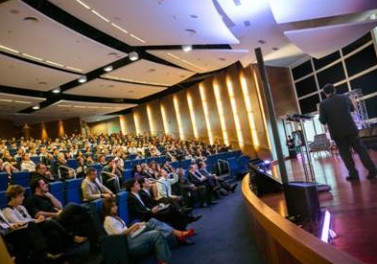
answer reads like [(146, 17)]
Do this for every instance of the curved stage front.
[(281, 241)]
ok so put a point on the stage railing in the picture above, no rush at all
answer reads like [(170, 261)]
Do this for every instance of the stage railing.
[(281, 241)]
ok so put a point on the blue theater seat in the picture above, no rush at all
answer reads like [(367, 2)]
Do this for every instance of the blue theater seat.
[(3, 181), (122, 206), (185, 164), (72, 191), (21, 178), (127, 174), (3, 199), (57, 190), (35, 159), (72, 163)]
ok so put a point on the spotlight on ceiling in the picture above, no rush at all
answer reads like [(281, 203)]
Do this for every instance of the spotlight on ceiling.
[(82, 79), (133, 55), (186, 48), (36, 107), (56, 90), (108, 68)]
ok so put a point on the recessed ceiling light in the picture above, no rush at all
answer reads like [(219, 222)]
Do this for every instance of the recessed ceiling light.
[(133, 56), (222, 59), (131, 91), (56, 90), (261, 41), (186, 48), (275, 48), (31, 19), (108, 68), (15, 11), (113, 54), (193, 16), (42, 83), (151, 70), (36, 107), (82, 79)]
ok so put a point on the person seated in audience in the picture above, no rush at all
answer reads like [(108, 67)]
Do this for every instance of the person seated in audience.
[(27, 164), (25, 242), (137, 172), (9, 163), (111, 176), (62, 169), (152, 238), (92, 188), (41, 171), (201, 180), (213, 177), (101, 159), (57, 237), (73, 217), (153, 169), (81, 167), (163, 190), (188, 190), (146, 207)]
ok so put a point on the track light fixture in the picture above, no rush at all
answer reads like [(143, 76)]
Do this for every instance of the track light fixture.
[(133, 55), (82, 79), (186, 48)]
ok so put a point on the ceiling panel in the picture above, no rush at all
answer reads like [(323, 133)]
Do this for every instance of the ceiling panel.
[(67, 109), (10, 103), (200, 60), (115, 89), (298, 10), (148, 72), (19, 74), (26, 32), (321, 41), (153, 22)]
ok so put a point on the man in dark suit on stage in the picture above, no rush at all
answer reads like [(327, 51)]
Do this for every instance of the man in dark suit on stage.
[(335, 111)]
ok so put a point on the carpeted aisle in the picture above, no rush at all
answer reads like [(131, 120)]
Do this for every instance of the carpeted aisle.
[(223, 236)]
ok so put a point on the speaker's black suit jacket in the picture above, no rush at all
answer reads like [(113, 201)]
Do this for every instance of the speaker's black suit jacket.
[(335, 111)]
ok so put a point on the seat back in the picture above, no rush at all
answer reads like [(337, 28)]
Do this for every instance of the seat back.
[(3, 199), (72, 191), (3, 181), (21, 178), (122, 206), (57, 190)]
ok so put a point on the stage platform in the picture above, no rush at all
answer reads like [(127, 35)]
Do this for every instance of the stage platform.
[(353, 205)]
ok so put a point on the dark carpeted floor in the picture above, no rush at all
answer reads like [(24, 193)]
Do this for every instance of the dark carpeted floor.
[(223, 236)]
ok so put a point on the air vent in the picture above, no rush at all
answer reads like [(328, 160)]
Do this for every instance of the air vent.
[(31, 19), (261, 41), (247, 23)]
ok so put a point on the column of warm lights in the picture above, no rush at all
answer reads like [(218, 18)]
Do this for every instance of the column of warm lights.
[(220, 110), (150, 119), (178, 115), (44, 131), (250, 114), (205, 110), (192, 114), (122, 121), (164, 119), (136, 121), (61, 131), (235, 113)]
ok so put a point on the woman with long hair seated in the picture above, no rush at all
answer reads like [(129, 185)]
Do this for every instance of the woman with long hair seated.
[(142, 237)]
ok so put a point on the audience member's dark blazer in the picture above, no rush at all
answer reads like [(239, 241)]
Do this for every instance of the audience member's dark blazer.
[(137, 209), (147, 199), (194, 179)]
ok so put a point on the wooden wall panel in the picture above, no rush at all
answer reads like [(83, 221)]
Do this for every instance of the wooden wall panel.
[(157, 116), (130, 124), (185, 114), (109, 126), (198, 112), (168, 104), (56, 128), (141, 112)]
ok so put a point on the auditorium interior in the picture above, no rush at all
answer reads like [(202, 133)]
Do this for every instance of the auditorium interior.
[(224, 90)]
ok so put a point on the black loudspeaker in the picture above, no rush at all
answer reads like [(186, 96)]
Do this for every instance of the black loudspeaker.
[(302, 199)]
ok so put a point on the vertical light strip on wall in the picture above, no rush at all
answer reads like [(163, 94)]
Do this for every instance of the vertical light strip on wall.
[(178, 115), (220, 110), (192, 114), (61, 131), (122, 121), (44, 131), (150, 119), (205, 110), (249, 110), (136, 121), (234, 110), (164, 119)]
